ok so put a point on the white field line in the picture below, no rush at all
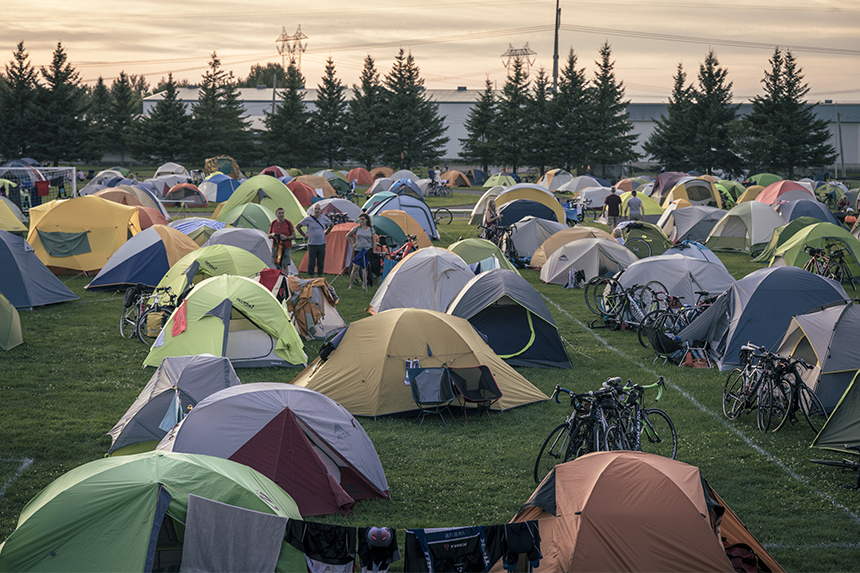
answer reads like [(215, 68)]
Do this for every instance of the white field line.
[(770, 546), (718, 417), (25, 463)]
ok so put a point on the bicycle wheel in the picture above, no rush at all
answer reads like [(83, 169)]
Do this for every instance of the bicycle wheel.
[(595, 290), (812, 408), (733, 398), (658, 435), (764, 400), (647, 321), (615, 439), (781, 404), (580, 441), (128, 321), (443, 216), (553, 450), (150, 323), (670, 323), (657, 296), (638, 247)]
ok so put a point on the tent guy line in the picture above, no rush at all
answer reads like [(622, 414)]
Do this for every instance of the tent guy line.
[(770, 457)]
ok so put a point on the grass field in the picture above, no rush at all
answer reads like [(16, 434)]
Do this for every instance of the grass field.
[(74, 377)]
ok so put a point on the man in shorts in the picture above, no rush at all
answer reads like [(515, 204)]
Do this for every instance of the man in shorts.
[(633, 210)]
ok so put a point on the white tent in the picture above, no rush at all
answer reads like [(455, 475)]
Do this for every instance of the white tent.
[(690, 223), (593, 256), (682, 276), (531, 232)]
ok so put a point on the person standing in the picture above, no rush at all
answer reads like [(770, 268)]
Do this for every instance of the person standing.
[(633, 208), (612, 208), (315, 227), (360, 237), (491, 220), (282, 233)]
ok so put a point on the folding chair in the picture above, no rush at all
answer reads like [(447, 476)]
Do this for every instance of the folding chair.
[(664, 345), (476, 386), (431, 390)]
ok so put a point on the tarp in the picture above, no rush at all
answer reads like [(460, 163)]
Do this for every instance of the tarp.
[(303, 441), (746, 228), (10, 325), (594, 257), (561, 238), (365, 373), (26, 281), (474, 250), (517, 323), (681, 275)]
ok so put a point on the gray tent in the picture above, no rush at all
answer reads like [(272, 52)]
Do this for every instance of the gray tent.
[(531, 232), (191, 378), (254, 241), (692, 223), (826, 337), (518, 325), (25, 280), (682, 276), (758, 309)]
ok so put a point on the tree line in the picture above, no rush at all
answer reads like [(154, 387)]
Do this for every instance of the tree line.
[(581, 126)]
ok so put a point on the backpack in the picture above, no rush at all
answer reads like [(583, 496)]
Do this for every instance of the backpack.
[(742, 557)]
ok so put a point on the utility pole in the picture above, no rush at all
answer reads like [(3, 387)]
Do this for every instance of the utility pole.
[(839, 133), (555, 51)]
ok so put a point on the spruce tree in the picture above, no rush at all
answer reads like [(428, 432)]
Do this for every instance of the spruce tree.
[(61, 132), (669, 142), (18, 105), (122, 111), (265, 76), (539, 147), (164, 135), (288, 139), (364, 138), (98, 115), (513, 116), (568, 110), (329, 119), (414, 131), (480, 145), (608, 122), (713, 114)]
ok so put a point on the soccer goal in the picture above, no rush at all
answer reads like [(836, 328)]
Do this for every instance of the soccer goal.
[(28, 186)]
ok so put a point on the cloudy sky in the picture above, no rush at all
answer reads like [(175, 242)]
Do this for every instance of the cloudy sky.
[(455, 42)]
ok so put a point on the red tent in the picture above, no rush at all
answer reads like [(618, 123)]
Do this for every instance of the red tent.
[(338, 252), (361, 175), (302, 191), (149, 217)]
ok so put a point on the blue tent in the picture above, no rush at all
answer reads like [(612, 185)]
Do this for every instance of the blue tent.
[(377, 198), (415, 208), (476, 176), (24, 279), (406, 187), (513, 211), (791, 210), (218, 188)]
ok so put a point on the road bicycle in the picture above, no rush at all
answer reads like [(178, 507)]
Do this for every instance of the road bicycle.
[(436, 188), (740, 392), (398, 254), (792, 394), (831, 265), (621, 307), (133, 306), (638, 247), (153, 319), (643, 429), (671, 317), (846, 465)]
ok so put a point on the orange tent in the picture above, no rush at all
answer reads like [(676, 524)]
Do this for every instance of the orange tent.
[(338, 251), (361, 175), (380, 172), (455, 178), (409, 226), (317, 182), (120, 196), (302, 191), (149, 217)]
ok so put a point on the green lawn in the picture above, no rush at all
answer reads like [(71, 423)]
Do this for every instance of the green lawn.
[(74, 377)]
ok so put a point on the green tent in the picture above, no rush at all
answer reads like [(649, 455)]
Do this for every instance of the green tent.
[(843, 425), (268, 192), (734, 188), (106, 515), (234, 317), (387, 227), (500, 179), (648, 232), (10, 325), (765, 179), (821, 235), (250, 216), (341, 187), (745, 228), (781, 235), (475, 250), (207, 262)]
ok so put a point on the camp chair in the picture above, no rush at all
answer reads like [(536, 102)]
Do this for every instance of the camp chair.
[(431, 390), (664, 345), (476, 386)]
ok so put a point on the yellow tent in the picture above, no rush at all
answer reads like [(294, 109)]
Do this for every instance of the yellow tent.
[(9, 217), (558, 240), (79, 235), (409, 226), (365, 373), (696, 190), (532, 193), (750, 194)]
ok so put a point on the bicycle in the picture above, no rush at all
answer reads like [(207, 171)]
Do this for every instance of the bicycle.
[(153, 319), (846, 465), (133, 306), (620, 307), (672, 317), (831, 265), (643, 429), (742, 384), (443, 215), (410, 245), (436, 188), (638, 247), (794, 394)]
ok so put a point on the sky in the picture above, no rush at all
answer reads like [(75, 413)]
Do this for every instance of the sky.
[(454, 42)]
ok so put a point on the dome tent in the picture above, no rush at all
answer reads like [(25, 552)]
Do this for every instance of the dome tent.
[(416, 208), (26, 281), (211, 261), (254, 241), (474, 250), (746, 228), (681, 275), (531, 232), (268, 192), (594, 257), (561, 238)]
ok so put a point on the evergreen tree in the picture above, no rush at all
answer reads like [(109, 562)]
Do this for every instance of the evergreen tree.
[(539, 146), (782, 134), (140, 87), (669, 142), (364, 138), (513, 117), (18, 105), (164, 135), (414, 131), (713, 114), (61, 131), (98, 115), (328, 120), (288, 139), (568, 110), (265, 76), (607, 121), (218, 122), (480, 145), (122, 111)]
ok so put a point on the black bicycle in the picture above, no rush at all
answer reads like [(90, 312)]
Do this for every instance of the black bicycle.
[(846, 465), (133, 306)]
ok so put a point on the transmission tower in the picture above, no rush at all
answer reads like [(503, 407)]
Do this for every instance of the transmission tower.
[(524, 53), (292, 47)]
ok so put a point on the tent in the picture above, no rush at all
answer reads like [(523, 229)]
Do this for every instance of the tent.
[(843, 425), (477, 214), (819, 235), (144, 259), (581, 182), (303, 441), (275, 171), (554, 179), (25, 281), (784, 191), (791, 210), (254, 241), (592, 197), (171, 168), (764, 179), (360, 175), (188, 379), (746, 228), (406, 186), (474, 250), (106, 515), (265, 191), (230, 316), (303, 192), (427, 278), (11, 217), (378, 172), (520, 208), (10, 325), (336, 205), (733, 188), (533, 193), (410, 226), (695, 190), (557, 240), (476, 177), (222, 164), (648, 232), (250, 216), (651, 209), (146, 197), (416, 208), (665, 512), (531, 232), (499, 179), (322, 188), (118, 195), (595, 257), (366, 370), (338, 251), (517, 323), (79, 235), (690, 222), (388, 231), (217, 188), (825, 338), (198, 229), (681, 275), (149, 217), (664, 183), (211, 261), (758, 309), (186, 194), (781, 235), (454, 178), (379, 185), (340, 186)]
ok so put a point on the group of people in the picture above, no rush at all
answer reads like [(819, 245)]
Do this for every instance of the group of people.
[(314, 228)]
